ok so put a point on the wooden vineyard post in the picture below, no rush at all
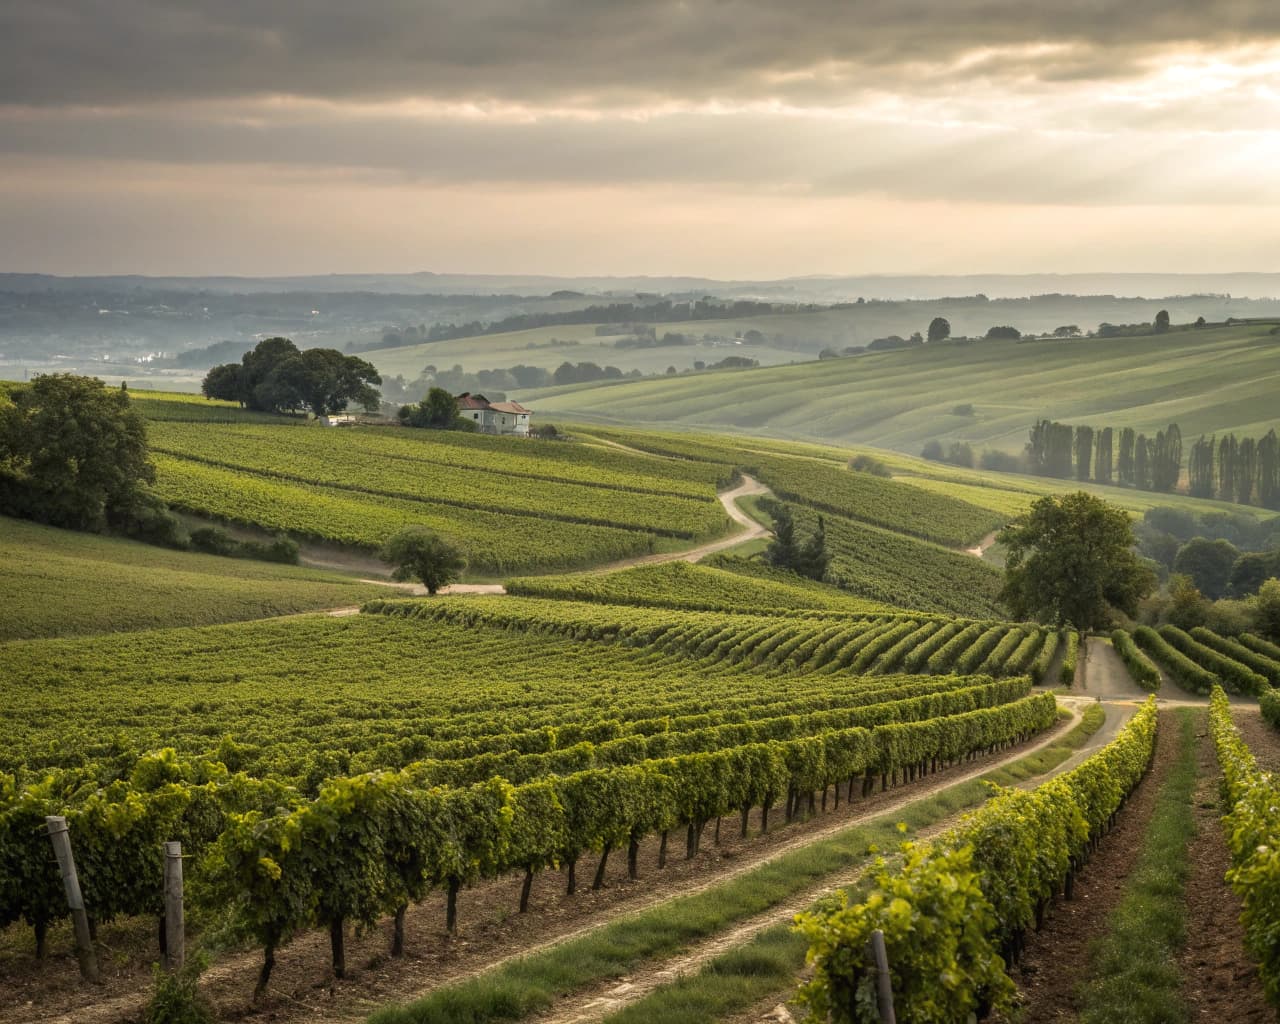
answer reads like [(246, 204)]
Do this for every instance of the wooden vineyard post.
[(174, 924), (60, 837), (884, 981)]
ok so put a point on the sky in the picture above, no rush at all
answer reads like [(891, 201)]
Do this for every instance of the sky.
[(721, 138)]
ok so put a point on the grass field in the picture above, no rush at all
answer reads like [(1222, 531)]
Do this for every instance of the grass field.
[(1206, 381), (60, 583)]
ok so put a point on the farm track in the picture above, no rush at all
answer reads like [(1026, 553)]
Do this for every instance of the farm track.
[(751, 530), (598, 1004), (302, 988)]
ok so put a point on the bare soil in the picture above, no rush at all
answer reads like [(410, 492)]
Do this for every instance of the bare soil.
[(1219, 981), (1263, 738), (1055, 959), (490, 929)]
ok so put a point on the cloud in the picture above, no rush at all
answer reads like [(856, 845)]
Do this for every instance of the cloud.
[(578, 52)]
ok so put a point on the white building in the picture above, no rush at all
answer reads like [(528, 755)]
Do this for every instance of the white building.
[(494, 417)]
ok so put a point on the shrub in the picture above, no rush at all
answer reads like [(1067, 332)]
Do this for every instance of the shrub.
[(1142, 668), (212, 540), (1067, 675), (177, 998), (869, 464)]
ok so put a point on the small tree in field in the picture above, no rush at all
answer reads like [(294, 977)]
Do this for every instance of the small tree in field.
[(420, 554)]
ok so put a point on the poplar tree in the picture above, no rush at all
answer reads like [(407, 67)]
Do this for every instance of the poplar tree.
[(1246, 469), (1200, 468), (1084, 452), (1269, 471), (1227, 468), (1102, 456), (1126, 468)]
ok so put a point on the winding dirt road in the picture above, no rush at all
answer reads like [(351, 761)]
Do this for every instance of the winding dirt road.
[(751, 530)]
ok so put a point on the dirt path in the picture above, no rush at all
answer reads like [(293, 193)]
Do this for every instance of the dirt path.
[(598, 1003), (491, 933), (983, 546), (1219, 982), (751, 530), (1103, 673), (1056, 958)]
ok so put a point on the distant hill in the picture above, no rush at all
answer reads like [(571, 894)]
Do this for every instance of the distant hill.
[(1208, 381)]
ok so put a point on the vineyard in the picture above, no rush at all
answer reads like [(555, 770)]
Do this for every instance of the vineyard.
[(472, 739), (512, 505), (715, 587)]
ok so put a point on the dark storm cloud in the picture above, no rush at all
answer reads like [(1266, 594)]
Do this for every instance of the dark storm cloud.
[(114, 51)]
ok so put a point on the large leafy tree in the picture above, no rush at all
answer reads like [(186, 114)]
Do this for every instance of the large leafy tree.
[(73, 453), (276, 377), (419, 553), (1071, 560)]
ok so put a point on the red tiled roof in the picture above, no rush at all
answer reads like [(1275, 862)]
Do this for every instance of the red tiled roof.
[(469, 401), (511, 407)]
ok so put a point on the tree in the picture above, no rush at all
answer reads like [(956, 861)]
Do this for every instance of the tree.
[(1268, 609), (813, 557), (1200, 475), (437, 410), (1071, 560), (1208, 563), (1162, 322), (1102, 456), (783, 550), (419, 553), (73, 453), (223, 382), (1003, 334), (939, 329), (932, 451), (276, 377), (1084, 452), (1125, 466)]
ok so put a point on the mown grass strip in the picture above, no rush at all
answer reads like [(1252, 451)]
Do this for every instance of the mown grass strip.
[(1134, 976), (530, 984)]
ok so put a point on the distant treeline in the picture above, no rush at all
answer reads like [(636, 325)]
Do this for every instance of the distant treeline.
[(1236, 469), (660, 311), (1239, 470)]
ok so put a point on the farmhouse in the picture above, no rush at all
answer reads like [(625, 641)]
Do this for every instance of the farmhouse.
[(494, 417)]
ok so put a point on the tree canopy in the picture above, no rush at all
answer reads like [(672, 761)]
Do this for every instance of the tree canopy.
[(438, 410), (939, 329), (73, 453), (1071, 560), (419, 553), (809, 558), (277, 377)]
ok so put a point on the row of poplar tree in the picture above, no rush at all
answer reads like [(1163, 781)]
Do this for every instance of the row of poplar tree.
[(1149, 463), (1242, 470), (1236, 469)]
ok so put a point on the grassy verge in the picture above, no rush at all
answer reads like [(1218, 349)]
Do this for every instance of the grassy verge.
[(1134, 976), (530, 984), (770, 962)]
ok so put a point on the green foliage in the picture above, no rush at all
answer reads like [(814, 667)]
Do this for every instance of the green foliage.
[(416, 553), (437, 411), (1252, 829), (1067, 675), (1208, 563), (1236, 675), (276, 377), (1184, 670), (176, 997), (1070, 560), (954, 905), (938, 929), (1141, 668), (726, 584), (786, 551), (73, 453), (1264, 665)]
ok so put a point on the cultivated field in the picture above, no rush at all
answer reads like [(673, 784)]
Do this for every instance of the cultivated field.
[(1211, 381)]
